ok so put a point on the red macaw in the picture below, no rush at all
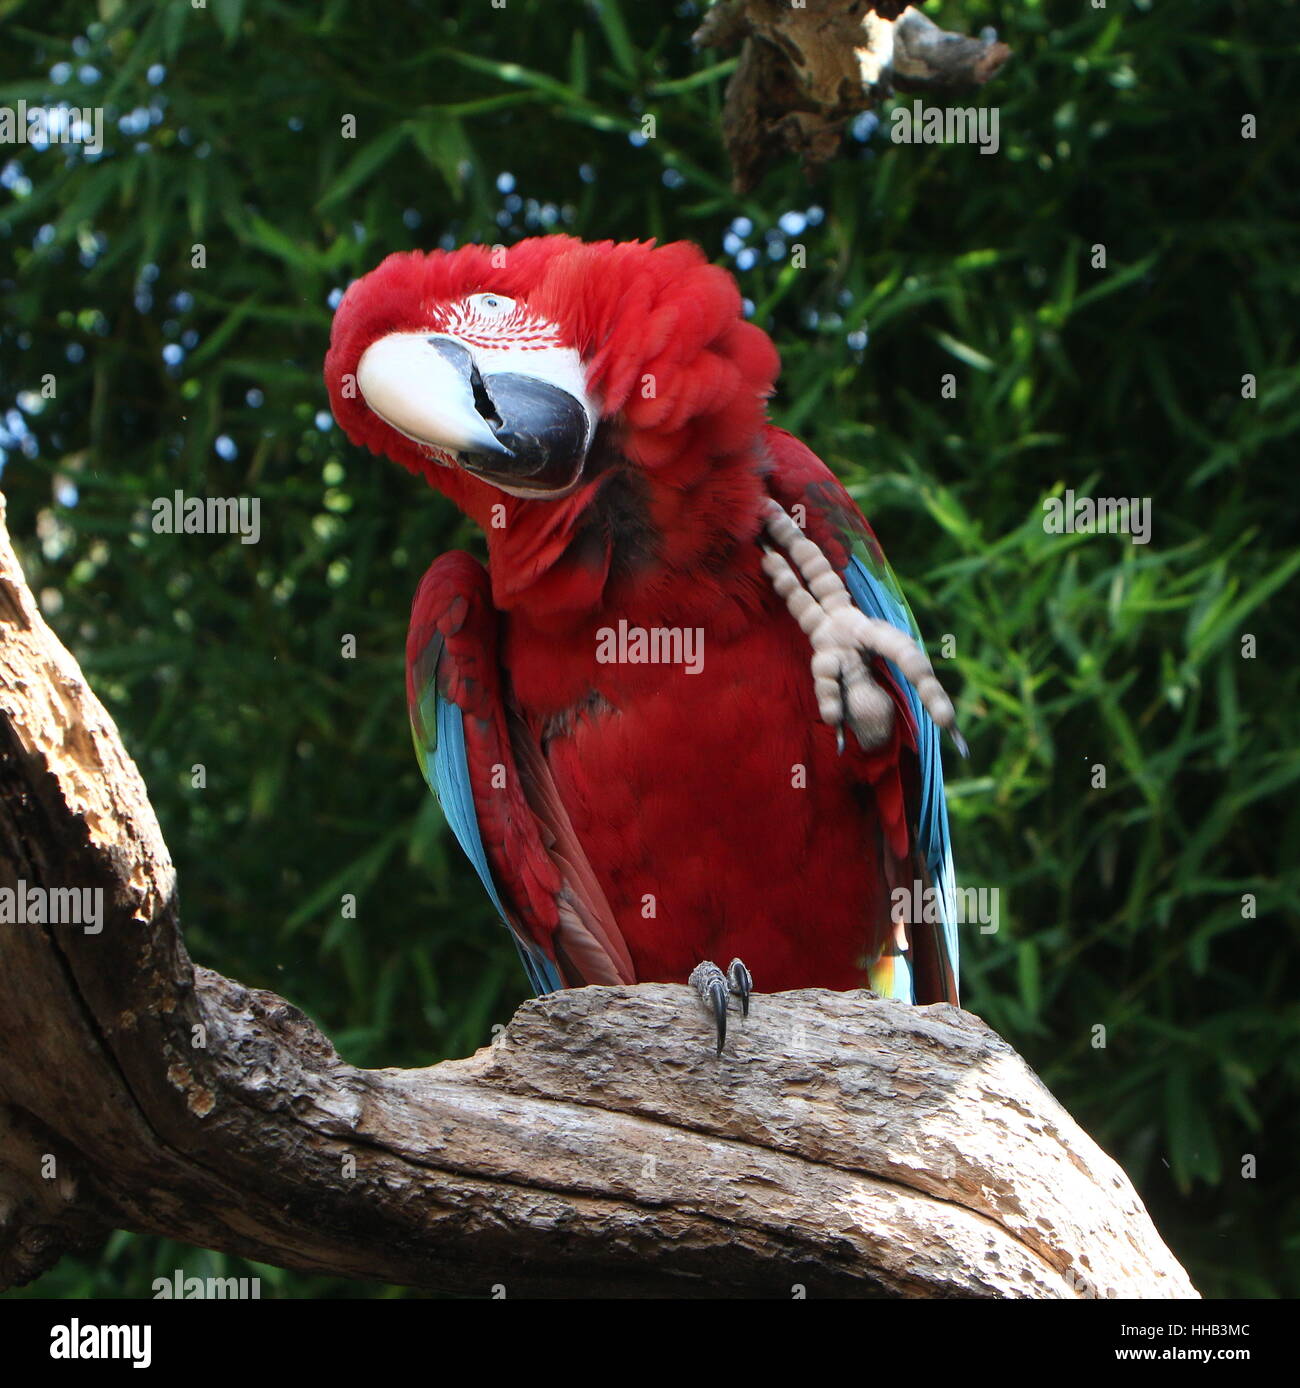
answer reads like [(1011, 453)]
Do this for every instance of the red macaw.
[(618, 713)]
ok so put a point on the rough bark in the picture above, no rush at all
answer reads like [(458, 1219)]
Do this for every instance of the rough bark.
[(805, 71), (842, 1143)]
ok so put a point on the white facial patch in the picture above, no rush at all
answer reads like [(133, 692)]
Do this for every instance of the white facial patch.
[(505, 335)]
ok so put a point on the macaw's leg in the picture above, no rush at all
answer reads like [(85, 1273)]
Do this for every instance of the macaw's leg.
[(844, 639), (715, 988)]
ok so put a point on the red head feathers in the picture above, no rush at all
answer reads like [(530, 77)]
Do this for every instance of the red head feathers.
[(521, 381)]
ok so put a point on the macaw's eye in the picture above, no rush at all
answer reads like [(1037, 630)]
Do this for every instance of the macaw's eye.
[(493, 305)]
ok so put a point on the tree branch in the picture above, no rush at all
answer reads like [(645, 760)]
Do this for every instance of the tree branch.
[(805, 71), (843, 1143)]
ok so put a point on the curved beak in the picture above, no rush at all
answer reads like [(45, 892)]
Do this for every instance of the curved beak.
[(517, 418)]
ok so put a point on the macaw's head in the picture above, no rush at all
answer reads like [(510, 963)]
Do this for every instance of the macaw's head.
[(518, 380)]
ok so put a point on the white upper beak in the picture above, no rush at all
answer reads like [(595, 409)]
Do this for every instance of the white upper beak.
[(515, 415), (421, 394)]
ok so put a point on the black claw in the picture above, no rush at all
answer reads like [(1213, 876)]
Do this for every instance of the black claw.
[(960, 741), (741, 982), (711, 984), (718, 996)]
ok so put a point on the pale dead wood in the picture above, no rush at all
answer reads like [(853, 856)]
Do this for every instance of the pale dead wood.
[(844, 1144)]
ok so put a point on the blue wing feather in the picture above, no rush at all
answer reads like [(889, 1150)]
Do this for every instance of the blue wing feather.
[(875, 599), (445, 765)]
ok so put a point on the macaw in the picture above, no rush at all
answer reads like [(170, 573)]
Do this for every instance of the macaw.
[(634, 716)]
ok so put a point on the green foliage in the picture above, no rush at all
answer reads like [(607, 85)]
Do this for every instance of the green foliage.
[(1121, 906)]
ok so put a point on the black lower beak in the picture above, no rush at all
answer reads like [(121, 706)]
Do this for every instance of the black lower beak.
[(541, 429), (544, 428)]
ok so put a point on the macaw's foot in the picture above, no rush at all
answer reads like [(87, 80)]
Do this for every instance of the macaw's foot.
[(715, 989), (845, 640)]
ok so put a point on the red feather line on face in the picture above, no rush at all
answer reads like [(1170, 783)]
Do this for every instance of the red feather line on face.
[(519, 329)]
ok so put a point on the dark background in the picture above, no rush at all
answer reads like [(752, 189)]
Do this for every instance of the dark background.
[(1120, 907)]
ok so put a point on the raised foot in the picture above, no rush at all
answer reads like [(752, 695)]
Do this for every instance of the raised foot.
[(715, 989), (844, 639)]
